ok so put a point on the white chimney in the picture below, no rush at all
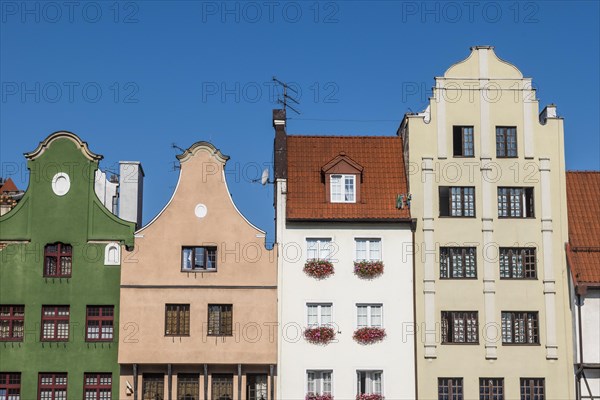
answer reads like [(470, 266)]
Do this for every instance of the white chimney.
[(548, 112), (131, 190), (106, 191)]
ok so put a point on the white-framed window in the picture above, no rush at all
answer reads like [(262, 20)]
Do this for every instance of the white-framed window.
[(319, 382), (369, 382), (318, 248), (369, 315), (319, 314), (368, 249), (343, 188)]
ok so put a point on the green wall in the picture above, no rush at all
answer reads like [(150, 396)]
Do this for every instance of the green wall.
[(76, 218)]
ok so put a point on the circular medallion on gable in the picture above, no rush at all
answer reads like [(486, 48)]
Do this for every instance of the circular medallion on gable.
[(61, 183), (200, 211)]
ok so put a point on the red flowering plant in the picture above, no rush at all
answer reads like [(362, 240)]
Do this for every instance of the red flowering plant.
[(369, 335), (368, 269), (319, 269), (373, 396), (312, 396), (319, 334)]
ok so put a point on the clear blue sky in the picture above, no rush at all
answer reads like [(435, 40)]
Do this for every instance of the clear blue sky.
[(131, 78)]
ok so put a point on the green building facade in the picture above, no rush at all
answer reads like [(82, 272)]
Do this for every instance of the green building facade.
[(60, 256)]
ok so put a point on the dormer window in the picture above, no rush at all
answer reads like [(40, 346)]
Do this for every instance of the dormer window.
[(343, 188), (342, 177)]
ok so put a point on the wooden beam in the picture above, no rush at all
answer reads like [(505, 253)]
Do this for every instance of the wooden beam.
[(205, 381), (272, 376), (135, 382), (170, 382), (239, 381)]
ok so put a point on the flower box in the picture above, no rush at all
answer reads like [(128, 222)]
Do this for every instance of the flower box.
[(319, 269), (368, 269), (312, 396), (369, 335), (319, 334), (365, 396)]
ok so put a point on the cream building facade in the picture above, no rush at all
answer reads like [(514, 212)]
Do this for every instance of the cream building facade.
[(487, 178)]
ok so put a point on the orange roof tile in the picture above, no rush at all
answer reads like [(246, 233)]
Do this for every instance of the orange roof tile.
[(384, 178), (9, 186), (583, 207)]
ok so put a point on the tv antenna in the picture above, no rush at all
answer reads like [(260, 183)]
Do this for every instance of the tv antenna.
[(174, 146), (287, 97), (176, 166)]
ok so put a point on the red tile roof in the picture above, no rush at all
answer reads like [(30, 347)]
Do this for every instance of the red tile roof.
[(583, 206), (384, 178), (9, 186)]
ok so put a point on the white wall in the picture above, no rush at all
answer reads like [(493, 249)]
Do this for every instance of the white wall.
[(394, 289), (105, 190), (590, 317)]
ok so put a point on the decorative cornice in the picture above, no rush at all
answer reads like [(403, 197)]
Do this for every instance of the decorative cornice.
[(198, 146), (83, 146)]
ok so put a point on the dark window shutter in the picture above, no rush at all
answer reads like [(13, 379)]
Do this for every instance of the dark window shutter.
[(457, 140), (444, 201), (529, 201)]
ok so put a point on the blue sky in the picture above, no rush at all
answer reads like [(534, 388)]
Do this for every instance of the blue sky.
[(133, 77)]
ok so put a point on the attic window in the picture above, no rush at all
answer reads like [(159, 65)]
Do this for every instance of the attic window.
[(343, 188), (342, 178)]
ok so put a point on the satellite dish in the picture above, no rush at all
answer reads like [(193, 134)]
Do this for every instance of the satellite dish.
[(265, 177)]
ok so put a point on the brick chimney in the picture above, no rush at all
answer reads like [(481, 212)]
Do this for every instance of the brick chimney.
[(131, 190), (280, 146)]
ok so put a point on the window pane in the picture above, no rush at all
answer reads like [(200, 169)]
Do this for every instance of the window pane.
[(511, 142), (500, 143), (469, 201), (349, 188), (311, 249), (375, 249), (325, 314), (455, 201), (468, 141), (361, 249), (222, 387), (377, 382), (376, 320), (211, 258), (336, 188), (311, 384), (326, 383), (362, 316), (324, 249), (313, 318), (502, 202), (186, 259), (199, 257)]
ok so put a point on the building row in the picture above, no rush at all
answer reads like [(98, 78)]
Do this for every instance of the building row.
[(456, 259)]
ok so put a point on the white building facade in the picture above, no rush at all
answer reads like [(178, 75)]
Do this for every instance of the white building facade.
[(340, 200)]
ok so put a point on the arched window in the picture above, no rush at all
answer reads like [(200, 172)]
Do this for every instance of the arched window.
[(58, 260)]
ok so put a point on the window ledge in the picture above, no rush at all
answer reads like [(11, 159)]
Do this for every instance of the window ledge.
[(195, 271), (460, 343), (520, 344)]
